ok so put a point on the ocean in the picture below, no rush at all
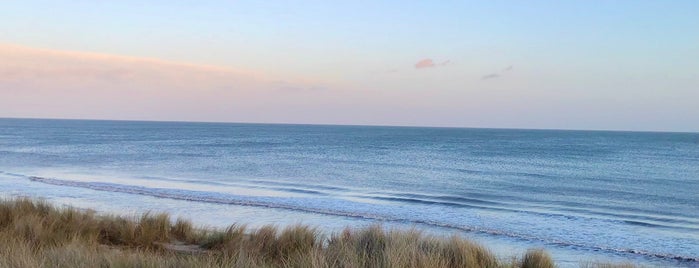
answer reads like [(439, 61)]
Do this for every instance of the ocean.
[(581, 195)]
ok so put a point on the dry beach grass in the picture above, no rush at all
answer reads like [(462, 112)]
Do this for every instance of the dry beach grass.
[(37, 234)]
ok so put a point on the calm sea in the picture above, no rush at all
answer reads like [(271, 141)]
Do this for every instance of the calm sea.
[(582, 195)]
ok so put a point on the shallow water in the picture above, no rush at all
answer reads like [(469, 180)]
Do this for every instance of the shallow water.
[(582, 195)]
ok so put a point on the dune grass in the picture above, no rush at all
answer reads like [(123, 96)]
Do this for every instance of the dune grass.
[(37, 234)]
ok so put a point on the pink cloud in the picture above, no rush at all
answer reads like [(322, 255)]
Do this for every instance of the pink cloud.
[(425, 63), (54, 83), (429, 63), (68, 68)]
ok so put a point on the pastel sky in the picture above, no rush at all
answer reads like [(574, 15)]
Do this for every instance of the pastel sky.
[(616, 65)]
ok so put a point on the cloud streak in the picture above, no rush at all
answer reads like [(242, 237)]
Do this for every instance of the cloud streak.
[(53, 83), (67, 68), (490, 76), (429, 63), (498, 74), (424, 63)]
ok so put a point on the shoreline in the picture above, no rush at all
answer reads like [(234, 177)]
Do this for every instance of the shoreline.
[(220, 216), (157, 239), (207, 215)]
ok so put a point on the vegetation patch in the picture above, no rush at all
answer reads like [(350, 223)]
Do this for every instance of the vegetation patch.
[(37, 234)]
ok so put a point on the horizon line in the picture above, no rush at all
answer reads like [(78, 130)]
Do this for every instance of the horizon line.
[(347, 125)]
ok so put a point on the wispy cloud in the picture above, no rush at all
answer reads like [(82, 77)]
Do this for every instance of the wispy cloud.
[(424, 63), (497, 75), (430, 63), (282, 85), (27, 64), (55, 83), (490, 76)]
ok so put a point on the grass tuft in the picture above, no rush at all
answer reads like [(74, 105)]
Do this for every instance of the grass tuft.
[(536, 258), (183, 231), (229, 242), (152, 229)]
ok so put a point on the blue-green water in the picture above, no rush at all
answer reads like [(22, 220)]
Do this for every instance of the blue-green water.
[(583, 195)]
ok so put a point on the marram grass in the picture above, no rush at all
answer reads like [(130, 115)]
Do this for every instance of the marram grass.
[(37, 234)]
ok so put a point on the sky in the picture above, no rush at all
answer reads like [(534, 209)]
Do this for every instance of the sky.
[(599, 65)]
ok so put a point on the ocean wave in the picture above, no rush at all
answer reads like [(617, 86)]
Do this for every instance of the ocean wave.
[(310, 205), (452, 201)]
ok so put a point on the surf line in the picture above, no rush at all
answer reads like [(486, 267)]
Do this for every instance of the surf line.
[(207, 197)]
